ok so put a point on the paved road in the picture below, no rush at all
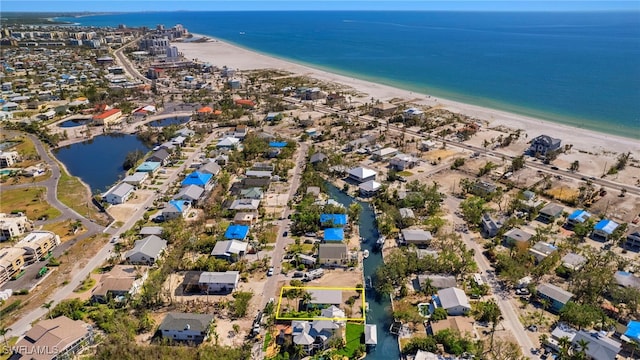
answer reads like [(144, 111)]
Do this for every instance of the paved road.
[(511, 321), (24, 324), (129, 68)]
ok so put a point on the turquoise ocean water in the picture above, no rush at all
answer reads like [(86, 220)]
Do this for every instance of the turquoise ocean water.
[(576, 68)]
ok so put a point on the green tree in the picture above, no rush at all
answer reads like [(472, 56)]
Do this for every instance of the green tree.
[(580, 315), (472, 209), (354, 212), (489, 311), (517, 163)]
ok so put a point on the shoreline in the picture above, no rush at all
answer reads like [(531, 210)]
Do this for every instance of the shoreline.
[(221, 53)]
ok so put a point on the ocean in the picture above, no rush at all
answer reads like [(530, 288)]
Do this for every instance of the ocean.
[(575, 68)]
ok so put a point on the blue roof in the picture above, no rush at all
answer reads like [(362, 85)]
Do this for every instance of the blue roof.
[(334, 234), (579, 215), (608, 226), (238, 232), (197, 178), (633, 330), (335, 219), (278, 144), (178, 204), (148, 166)]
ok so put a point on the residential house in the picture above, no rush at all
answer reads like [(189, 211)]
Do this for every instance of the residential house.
[(557, 296), (313, 336), (332, 254), (228, 142), (483, 188), (550, 212), (600, 346), (8, 158), (13, 225), (541, 250), (364, 141), (544, 144), (462, 325), (37, 245), (324, 298), (336, 100), (175, 209), (312, 94), (136, 179), (632, 333), (626, 279), (406, 213), (161, 156), (245, 204), (210, 168), (384, 153), (577, 217), (197, 178), (573, 261), (50, 339), (517, 237), (11, 263), (191, 193), (107, 117), (255, 193), (490, 226), (245, 218), (146, 251), (306, 259), (236, 232), (369, 188), (151, 230), (318, 158), (383, 110), (333, 234), (633, 239), (415, 237), (119, 194), (333, 220), (119, 284), (10, 106), (454, 301), (273, 116), (370, 335), (258, 174), (603, 229), (438, 282), (218, 282), (231, 250), (361, 174), (412, 114), (530, 201), (149, 167), (402, 162), (192, 328)]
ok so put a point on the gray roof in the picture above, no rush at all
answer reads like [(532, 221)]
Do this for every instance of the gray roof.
[(406, 213), (245, 204), (228, 247), (322, 296), (332, 251), (370, 185), (600, 346), (370, 334), (151, 246), (151, 230), (438, 281), (554, 292), (161, 155), (136, 177), (182, 321), (518, 235), (210, 168), (551, 209), (258, 173), (452, 297), (573, 260), (416, 235), (122, 189), (317, 157), (227, 277), (627, 279), (190, 192)]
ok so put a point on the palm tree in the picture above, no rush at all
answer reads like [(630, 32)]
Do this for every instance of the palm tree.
[(3, 332), (583, 345), (299, 352), (48, 306), (306, 298), (564, 344)]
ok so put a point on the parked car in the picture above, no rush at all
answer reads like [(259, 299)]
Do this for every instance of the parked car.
[(298, 274), (522, 291), (270, 271), (285, 234)]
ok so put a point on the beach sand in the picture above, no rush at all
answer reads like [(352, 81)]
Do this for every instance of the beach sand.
[(220, 53)]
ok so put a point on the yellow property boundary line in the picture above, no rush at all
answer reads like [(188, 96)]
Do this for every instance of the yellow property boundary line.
[(362, 296)]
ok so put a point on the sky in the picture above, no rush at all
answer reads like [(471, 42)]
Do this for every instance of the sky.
[(226, 5)]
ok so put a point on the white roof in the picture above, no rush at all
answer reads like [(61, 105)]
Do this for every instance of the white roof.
[(362, 172), (121, 189), (227, 277), (452, 297)]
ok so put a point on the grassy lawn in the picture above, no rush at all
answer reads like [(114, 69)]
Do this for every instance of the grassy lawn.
[(404, 173), (354, 334), (86, 285), (30, 200), (267, 340), (63, 229), (27, 151), (4, 355), (73, 193)]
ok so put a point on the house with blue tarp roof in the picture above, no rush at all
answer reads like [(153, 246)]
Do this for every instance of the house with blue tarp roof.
[(334, 234), (578, 217), (148, 167), (175, 209), (278, 144), (603, 229), (236, 232), (199, 179), (633, 331), (331, 220)]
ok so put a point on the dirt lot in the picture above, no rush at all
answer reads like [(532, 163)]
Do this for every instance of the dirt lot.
[(123, 212)]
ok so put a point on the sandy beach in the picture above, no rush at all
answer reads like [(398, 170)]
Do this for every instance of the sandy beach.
[(220, 54)]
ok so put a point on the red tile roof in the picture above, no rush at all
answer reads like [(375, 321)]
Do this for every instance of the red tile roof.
[(205, 109), (106, 114), (245, 102)]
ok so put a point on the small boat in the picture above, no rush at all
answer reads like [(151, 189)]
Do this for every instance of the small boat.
[(365, 254), (241, 32), (380, 242), (369, 283), (363, 240)]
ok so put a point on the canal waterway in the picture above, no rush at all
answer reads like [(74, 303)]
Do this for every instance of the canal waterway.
[(379, 306), (178, 120), (98, 161)]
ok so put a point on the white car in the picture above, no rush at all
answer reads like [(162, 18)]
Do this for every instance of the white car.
[(270, 271)]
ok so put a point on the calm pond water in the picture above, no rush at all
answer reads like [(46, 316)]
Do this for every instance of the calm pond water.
[(178, 120), (379, 307), (98, 162), (74, 123)]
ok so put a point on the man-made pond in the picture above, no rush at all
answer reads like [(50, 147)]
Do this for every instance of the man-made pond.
[(176, 120), (379, 306), (98, 162), (74, 123)]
